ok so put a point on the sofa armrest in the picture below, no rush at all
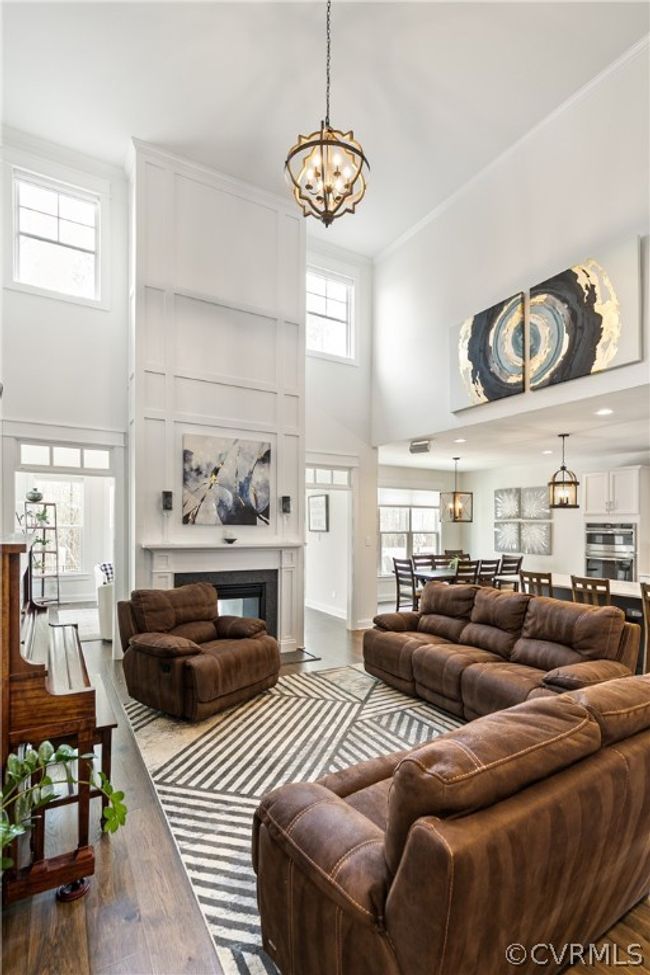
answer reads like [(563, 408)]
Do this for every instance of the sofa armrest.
[(397, 622), (238, 627), (574, 676), (334, 845), (164, 645)]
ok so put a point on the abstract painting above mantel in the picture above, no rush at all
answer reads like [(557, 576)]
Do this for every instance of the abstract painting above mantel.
[(586, 319), (487, 355), (225, 482)]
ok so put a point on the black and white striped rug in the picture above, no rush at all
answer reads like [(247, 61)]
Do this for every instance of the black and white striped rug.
[(210, 777)]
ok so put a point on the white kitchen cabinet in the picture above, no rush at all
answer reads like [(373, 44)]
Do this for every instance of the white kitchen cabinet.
[(614, 492)]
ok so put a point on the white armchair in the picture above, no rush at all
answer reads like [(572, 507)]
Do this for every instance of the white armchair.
[(105, 598)]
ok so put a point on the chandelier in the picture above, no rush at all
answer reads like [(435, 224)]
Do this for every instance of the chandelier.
[(326, 166), (563, 486), (456, 505)]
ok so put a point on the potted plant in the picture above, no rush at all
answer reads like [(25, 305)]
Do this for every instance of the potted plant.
[(454, 562), (30, 785)]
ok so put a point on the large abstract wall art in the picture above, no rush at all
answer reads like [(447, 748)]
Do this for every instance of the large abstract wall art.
[(522, 521), (507, 537), (586, 319), (487, 355), (225, 482), (536, 537), (507, 504)]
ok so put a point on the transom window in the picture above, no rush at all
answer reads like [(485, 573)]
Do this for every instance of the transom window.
[(330, 315), (409, 524), (46, 455), (332, 476), (56, 236)]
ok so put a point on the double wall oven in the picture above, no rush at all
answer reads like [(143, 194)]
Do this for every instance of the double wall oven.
[(611, 551)]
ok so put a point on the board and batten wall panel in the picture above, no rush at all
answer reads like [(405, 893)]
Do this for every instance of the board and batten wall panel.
[(218, 340)]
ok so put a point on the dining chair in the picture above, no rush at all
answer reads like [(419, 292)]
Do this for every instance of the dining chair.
[(441, 561), (423, 561), (589, 590), (487, 570), (510, 566), (456, 553), (645, 605), (536, 583), (467, 572), (407, 592)]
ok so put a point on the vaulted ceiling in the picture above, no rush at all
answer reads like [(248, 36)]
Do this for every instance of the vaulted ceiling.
[(434, 90)]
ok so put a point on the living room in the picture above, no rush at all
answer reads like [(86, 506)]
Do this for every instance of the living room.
[(284, 499)]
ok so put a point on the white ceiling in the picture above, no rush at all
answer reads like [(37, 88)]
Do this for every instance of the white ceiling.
[(434, 90), (522, 438)]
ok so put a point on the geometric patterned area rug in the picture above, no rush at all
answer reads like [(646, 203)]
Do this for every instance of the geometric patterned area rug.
[(209, 778)]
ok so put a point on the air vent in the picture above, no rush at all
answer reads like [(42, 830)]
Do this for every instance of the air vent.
[(419, 446)]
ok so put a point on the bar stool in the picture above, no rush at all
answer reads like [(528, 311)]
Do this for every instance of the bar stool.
[(537, 583), (593, 591)]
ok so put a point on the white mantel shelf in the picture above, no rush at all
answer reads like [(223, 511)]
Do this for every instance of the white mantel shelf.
[(209, 546)]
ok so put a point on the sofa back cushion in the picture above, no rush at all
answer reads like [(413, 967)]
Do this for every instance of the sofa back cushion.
[(496, 621), (445, 610), (557, 633), (485, 761), (621, 707), (161, 610)]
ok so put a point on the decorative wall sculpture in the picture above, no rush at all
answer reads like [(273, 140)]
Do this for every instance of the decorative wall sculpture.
[(225, 482), (522, 521), (536, 537), (487, 355), (534, 504), (586, 319), (507, 537), (507, 504)]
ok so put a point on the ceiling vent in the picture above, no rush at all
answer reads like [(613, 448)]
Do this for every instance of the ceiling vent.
[(419, 446)]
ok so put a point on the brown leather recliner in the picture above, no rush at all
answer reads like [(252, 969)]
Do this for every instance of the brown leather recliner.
[(474, 650), (527, 827), (181, 657)]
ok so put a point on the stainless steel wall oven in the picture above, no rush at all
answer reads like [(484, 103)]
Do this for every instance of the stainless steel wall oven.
[(610, 551)]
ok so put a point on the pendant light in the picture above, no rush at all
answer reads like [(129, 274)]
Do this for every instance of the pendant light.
[(326, 166), (563, 486), (456, 505)]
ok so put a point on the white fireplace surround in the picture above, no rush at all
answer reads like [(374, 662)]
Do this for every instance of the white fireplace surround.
[(165, 559)]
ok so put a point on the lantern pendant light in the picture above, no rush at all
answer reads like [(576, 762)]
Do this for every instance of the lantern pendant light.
[(456, 505), (326, 167), (563, 486)]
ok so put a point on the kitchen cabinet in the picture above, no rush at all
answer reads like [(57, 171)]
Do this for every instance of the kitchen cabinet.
[(614, 492)]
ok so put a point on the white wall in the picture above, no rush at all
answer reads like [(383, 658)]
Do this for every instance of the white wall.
[(577, 181), (568, 555), (217, 349), (337, 417), (327, 557)]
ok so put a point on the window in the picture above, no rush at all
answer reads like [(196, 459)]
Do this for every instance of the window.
[(409, 524), (68, 495), (56, 237), (332, 476), (330, 315), (44, 455)]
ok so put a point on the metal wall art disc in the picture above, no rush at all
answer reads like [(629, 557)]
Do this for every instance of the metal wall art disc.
[(487, 353)]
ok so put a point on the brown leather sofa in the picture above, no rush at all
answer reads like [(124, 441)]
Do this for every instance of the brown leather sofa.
[(474, 650), (528, 826), (181, 657)]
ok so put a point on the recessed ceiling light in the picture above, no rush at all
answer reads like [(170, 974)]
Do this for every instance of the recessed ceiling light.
[(604, 412), (547, 451), (460, 440)]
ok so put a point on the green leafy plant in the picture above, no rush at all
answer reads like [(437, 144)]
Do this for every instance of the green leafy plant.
[(30, 786), (453, 563)]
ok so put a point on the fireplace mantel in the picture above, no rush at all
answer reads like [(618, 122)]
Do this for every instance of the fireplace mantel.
[(165, 559)]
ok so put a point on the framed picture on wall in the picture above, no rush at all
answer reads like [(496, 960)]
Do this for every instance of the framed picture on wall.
[(318, 513)]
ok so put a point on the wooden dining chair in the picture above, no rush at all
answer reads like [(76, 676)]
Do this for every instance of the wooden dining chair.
[(467, 572), (536, 583), (510, 566), (456, 553), (645, 606), (593, 591), (441, 561), (487, 570), (423, 561), (407, 592)]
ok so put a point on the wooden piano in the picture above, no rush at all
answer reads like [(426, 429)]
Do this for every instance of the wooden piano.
[(55, 701)]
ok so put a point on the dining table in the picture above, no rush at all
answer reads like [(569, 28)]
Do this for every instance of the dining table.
[(449, 575)]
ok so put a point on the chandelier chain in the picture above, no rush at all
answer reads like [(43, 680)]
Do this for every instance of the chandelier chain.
[(327, 65)]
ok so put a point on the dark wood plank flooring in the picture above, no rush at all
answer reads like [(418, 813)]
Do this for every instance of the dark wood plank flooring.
[(140, 917)]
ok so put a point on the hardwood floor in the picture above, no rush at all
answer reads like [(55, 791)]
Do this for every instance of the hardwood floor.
[(140, 917)]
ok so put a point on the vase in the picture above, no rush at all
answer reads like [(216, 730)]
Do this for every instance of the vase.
[(34, 495)]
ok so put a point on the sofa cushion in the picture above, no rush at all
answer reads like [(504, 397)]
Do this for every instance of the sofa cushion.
[(200, 631), (238, 627), (496, 620), (621, 707), (399, 622), (197, 601), (587, 672), (486, 761), (392, 652), (160, 610), (225, 666), (163, 645), (444, 610), (152, 611), (492, 687), (372, 802), (557, 633), (440, 668)]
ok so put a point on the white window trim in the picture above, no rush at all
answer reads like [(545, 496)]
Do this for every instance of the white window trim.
[(409, 533), (350, 277), (18, 161)]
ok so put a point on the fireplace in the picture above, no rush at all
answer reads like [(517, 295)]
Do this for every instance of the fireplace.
[(247, 592)]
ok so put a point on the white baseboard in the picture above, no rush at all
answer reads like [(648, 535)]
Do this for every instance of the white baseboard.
[(326, 608), (362, 625)]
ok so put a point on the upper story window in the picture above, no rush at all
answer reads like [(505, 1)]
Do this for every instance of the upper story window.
[(330, 315), (56, 237)]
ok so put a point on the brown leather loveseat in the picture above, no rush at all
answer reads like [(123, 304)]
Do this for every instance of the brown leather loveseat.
[(525, 827), (473, 650), (183, 658)]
